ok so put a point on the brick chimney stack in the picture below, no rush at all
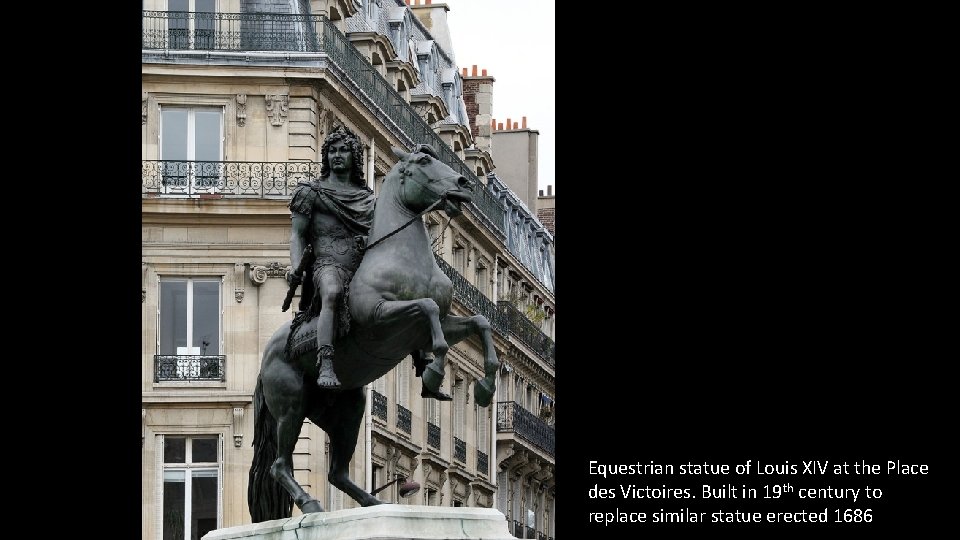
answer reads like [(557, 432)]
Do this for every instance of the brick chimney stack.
[(478, 97)]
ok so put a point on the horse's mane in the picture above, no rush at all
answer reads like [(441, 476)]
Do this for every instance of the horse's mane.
[(426, 149)]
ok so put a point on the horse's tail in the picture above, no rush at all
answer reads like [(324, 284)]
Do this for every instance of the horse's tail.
[(266, 498)]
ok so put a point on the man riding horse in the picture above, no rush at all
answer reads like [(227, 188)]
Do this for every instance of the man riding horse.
[(333, 215)]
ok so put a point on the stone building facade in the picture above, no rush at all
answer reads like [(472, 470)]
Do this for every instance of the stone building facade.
[(237, 96)]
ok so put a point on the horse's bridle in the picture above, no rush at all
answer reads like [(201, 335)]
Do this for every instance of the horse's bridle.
[(442, 197)]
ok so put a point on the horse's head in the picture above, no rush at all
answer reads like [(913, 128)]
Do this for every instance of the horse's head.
[(425, 180)]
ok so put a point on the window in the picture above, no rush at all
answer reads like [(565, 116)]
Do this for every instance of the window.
[(480, 278), (459, 258), (189, 338), (191, 30), (459, 410), (191, 148), (482, 415), (191, 486)]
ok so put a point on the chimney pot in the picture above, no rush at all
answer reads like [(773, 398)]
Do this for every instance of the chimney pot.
[(464, 72), (500, 126), (514, 125), (428, 2), (540, 192), (474, 70), (484, 73), (509, 123), (550, 190), (524, 122)]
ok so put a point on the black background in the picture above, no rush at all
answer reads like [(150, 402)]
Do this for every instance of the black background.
[(753, 207)]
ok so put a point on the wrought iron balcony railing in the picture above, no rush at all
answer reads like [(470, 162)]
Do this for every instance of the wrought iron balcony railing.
[(459, 450), (188, 368), (404, 418), (472, 298), (254, 179), (517, 529), (433, 435), (379, 405), (483, 463), (166, 30), (528, 333), (512, 417), (531, 533)]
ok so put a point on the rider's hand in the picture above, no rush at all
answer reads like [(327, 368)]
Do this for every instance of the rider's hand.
[(294, 279)]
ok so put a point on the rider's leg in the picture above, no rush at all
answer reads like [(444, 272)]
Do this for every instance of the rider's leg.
[(330, 290)]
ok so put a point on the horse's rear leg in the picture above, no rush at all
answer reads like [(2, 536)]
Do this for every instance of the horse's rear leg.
[(288, 431), (456, 329), (342, 421)]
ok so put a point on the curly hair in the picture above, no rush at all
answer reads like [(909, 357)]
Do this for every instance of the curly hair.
[(356, 150)]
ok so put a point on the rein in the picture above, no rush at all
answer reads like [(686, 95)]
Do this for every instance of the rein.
[(405, 225)]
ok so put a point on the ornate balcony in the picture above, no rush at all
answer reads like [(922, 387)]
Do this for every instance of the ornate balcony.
[(483, 463), (165, 31), (472, 298), (511, 417), (459, 450), (520, 326), (379, 405), (404, 418), (241, 179), (188, 368), (433, 435)]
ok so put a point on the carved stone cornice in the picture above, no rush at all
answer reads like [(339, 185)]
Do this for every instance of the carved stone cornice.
[(277, 107), (259, 273), (241, 109)]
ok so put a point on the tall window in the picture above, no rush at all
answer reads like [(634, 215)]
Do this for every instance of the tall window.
[(189, 317), (191, 147), (191, 486), (191, 30), (459, 410), (482, 415), (481, 281)]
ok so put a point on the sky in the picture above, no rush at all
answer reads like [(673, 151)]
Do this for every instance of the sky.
[(514, 41)]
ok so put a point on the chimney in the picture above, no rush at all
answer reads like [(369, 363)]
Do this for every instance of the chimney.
[(540, 193), (549, 190), (514, 125), (500, 126), (524, 126), (428, 2), (478, 98), (464, 72), (509, 123)]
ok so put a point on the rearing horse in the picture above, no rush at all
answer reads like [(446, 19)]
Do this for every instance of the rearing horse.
[(399, 302)]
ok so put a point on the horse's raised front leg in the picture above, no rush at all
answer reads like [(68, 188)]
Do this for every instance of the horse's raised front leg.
[(342, 421), (397, 312), (456, 329)]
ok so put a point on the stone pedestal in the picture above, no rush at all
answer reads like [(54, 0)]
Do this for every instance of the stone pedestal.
[(381, 522)]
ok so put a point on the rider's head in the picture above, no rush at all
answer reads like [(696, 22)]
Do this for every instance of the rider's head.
[(343, 135)]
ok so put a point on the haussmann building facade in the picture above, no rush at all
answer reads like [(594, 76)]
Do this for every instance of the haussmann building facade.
[(237, 97)]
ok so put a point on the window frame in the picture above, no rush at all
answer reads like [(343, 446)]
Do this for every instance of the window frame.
[(187, 466)]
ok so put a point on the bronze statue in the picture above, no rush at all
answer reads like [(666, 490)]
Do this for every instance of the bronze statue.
[(332, 216), (398, 303)]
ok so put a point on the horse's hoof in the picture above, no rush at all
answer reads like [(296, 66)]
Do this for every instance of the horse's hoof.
[(312, 505), (483, 393), (431, 379)]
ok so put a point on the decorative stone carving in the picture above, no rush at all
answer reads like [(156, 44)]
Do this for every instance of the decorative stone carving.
[(238, 284), (259, 273), (241, 109), (143, 107), (277, 107), (237, 426)]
